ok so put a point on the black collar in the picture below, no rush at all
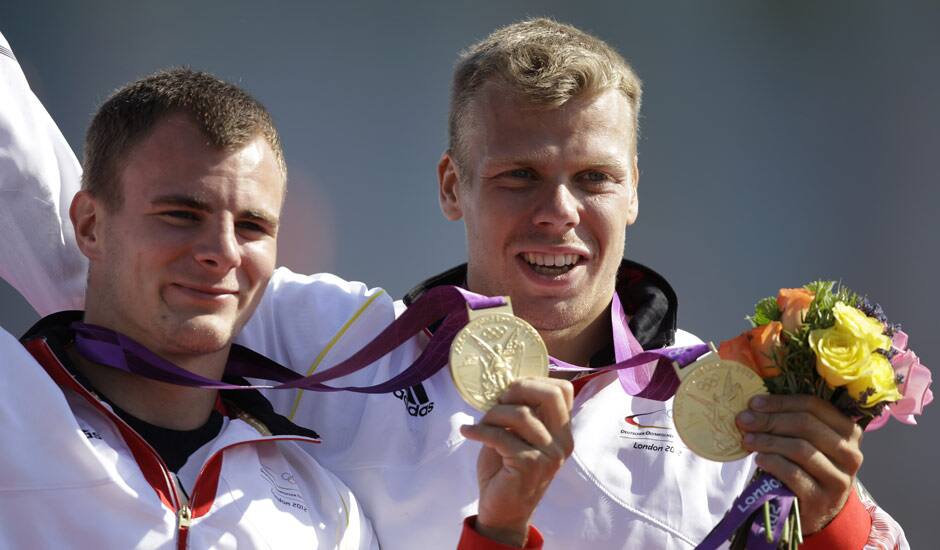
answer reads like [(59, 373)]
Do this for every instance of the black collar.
[(55, 330), (647, 298)]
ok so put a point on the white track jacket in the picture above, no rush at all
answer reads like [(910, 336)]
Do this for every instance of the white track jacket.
[(74, 474)]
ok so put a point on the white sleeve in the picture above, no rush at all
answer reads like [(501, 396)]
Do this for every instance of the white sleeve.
[(684, 338), (310, 322), (39, 175)]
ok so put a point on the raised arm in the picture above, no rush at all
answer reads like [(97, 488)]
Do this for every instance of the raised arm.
[(39, 175)]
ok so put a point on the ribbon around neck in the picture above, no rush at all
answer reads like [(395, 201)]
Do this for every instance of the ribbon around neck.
[(647, 374)]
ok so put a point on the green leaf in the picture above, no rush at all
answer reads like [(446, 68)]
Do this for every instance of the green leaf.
[(819, 314), (765, 311), (823, 290)]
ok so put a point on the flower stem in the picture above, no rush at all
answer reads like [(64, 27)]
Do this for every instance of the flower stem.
[(767, 531), (796, 514)]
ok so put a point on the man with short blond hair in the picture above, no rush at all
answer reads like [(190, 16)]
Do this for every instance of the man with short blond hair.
[(542, 168)]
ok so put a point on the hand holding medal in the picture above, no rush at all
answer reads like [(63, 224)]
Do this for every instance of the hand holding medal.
[(500, 366), (833, 365)]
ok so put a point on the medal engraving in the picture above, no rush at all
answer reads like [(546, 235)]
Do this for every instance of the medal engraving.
[(492, 351), (709, 398)]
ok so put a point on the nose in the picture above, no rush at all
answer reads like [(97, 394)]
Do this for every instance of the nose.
[(557, 208), (218, 249)]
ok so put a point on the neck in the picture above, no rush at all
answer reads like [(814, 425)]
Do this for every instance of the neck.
[(158, 403), (576, 345)]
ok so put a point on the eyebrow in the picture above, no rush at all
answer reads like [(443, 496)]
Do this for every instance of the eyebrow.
[(195, 203), (594, 164)]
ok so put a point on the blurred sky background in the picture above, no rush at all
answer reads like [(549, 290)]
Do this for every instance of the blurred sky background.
[(781, 142)]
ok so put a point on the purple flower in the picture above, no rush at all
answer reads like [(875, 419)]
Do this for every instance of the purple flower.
[(872, 310)]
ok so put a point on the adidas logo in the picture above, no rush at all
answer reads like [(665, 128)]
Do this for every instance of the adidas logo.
[(416, 400)]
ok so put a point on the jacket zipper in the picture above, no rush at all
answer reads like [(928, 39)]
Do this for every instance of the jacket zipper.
[(61, 376), (180, 505), (184, 516)]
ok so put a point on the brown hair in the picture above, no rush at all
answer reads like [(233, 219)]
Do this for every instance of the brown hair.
[(226, 114), (545, 62)]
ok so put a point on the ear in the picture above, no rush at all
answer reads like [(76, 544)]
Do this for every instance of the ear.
[(634, 206), (448, 178), (85, 212)]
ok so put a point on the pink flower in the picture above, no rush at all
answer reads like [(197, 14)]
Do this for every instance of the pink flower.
[(900, 340), (915, 390)]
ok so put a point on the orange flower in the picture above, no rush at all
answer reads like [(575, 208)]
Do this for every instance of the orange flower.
[(764, 341), (739, 349), (754, 349), (793, 304)]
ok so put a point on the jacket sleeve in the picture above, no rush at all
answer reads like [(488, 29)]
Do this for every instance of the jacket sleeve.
[(39, 175), (860, 524), (885, 531), (471, 540)]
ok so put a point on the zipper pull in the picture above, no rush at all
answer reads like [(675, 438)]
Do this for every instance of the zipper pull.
[(184, 517)]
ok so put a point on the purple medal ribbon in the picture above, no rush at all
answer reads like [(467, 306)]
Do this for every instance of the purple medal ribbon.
[(647, 374), (765, 488), (107, 347)]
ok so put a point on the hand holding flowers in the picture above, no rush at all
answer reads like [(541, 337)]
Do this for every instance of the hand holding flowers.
[(833, 365)]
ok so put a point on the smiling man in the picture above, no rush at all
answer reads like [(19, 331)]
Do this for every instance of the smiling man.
[(178, 218), (180, 238), (178, 221), (545, 206), (542, 169)]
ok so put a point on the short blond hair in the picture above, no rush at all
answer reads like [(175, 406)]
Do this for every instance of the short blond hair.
[(544, 62)]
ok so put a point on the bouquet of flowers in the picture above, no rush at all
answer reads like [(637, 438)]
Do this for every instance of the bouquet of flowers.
[(825, 340)]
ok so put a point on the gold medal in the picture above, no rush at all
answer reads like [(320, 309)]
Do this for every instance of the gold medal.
[(713, 391), (495, 348)]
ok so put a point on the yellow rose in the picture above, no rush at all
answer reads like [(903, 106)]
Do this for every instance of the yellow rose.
[(840, 356), (861, 326), (876, 384)]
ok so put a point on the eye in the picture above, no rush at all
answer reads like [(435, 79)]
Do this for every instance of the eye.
[(521, 173), (593, 176), (252, 229), (179, 217), (516, 178)]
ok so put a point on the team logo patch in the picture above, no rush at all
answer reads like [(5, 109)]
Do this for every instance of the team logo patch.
[(634, 420), (651, 431), (284, 488), (416, 400), (92, 434)]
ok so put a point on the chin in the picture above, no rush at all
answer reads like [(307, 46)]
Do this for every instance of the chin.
[(551, 314), (201, 335)]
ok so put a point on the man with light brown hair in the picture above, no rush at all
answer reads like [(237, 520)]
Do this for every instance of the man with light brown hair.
[(542, 168)]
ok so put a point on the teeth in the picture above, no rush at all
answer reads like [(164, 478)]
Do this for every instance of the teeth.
[(550, 260)]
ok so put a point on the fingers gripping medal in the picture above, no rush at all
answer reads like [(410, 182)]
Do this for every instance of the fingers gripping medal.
[(495, 348), (713, 391)]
